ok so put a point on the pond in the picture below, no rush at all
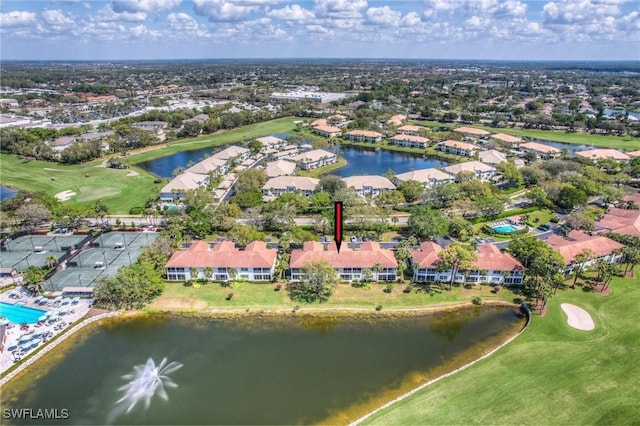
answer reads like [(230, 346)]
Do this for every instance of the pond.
[(6, 193), (253, 370), (359, 161), (368, 161), (571, 147)]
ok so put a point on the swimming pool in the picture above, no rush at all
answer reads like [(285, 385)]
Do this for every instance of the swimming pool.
[(505, 229), (20, 314)]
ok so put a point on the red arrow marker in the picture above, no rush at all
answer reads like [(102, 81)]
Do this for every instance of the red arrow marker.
[(337, 224)]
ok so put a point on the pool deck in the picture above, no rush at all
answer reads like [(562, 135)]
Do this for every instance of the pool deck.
[(14, 331)]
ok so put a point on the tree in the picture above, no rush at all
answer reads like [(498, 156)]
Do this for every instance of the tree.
[(255, 146), (631, 258), (157, 254), (460, 228), (131, 288), (426, 223), (454, 258), (251, 180), (389, 199), (50, 261), (570, 197), (31, 215), (577, 220), (318, 280), (332, 184), (402, 253), (247, 199), (510, 173), (411, 189), (243, 235), (581, 259), (32, 278), (320, 200)]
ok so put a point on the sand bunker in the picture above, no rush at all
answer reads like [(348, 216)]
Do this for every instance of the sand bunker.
[(65, 195), (578, 317), (132, 173)]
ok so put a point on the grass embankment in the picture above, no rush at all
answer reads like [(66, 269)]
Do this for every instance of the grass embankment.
[(281, 125), (212, 297), (552, 374), (117, 188), (625, 142)]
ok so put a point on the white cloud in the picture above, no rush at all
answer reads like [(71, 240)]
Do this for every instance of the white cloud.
[(291, 13), (181, 22), (340, 9), (223, 10), (107, 14), (55, 21), (17, 18), (384, 16), (411, 19), (578, 11), (147, 6)]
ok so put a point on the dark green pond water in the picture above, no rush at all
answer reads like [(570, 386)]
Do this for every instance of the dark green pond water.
[(253, 371)]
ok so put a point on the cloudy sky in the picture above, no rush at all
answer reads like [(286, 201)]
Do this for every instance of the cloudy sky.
[(457, 29)]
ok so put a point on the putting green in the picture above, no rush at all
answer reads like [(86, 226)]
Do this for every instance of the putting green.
[(90, 193)]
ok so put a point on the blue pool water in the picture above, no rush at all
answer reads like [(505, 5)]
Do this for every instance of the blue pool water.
[(505, 229), (20, 314)]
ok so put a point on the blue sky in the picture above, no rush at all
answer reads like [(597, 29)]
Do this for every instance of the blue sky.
[(456, 29)]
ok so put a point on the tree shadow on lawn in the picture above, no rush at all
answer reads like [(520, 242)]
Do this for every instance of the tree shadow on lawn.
[(432, 288)]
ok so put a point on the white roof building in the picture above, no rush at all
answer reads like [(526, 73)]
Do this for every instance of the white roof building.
[(427, 177), (280, 168)]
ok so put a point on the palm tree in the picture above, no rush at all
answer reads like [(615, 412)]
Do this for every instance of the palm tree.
[(377, 268), (194, 273), (581, 258), (232, 273), (367, 275), (208, 272), (50, 261)]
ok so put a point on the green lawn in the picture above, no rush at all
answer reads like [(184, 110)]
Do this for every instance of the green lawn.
[(281, 125), (627, 142), (177, 297), (551, 374), (119, 191)]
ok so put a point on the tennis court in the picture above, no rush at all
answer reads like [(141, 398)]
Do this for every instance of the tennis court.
[(103, 259), (45, 243)]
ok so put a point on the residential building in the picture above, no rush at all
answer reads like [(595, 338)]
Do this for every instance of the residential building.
[(271, 142), (175, 189), (481, 170), (427, 177), (397, 120), (369, 185), (410, 130), (492, 157), (603, 248), (409, 141), (327, 131), (232, 152), (200, 118), (349, 264), (211, 165), (296, 184), (280, 168), (596, 155), (458, 148), (620, 221), (156, 129), (491, 267), (314, 159), (364, 136), (223, 262), (542, 151), (472, 132), (508, 139)]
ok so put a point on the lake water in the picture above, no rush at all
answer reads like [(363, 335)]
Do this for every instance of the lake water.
[(359, 161), (368, 161), (254, 370), (7, 193), (572, 147)]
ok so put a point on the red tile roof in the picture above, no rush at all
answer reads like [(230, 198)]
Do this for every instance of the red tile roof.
[(621, 221), (489, 257), (223, 255), (369, 254), (577, 241), (472, 131)]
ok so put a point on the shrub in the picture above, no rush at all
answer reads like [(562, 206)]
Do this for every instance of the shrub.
[(388, 288), (408, 289), (229, 296), (136, 210), (476, 300), (188, 283), (378, 307), (278, 287)]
